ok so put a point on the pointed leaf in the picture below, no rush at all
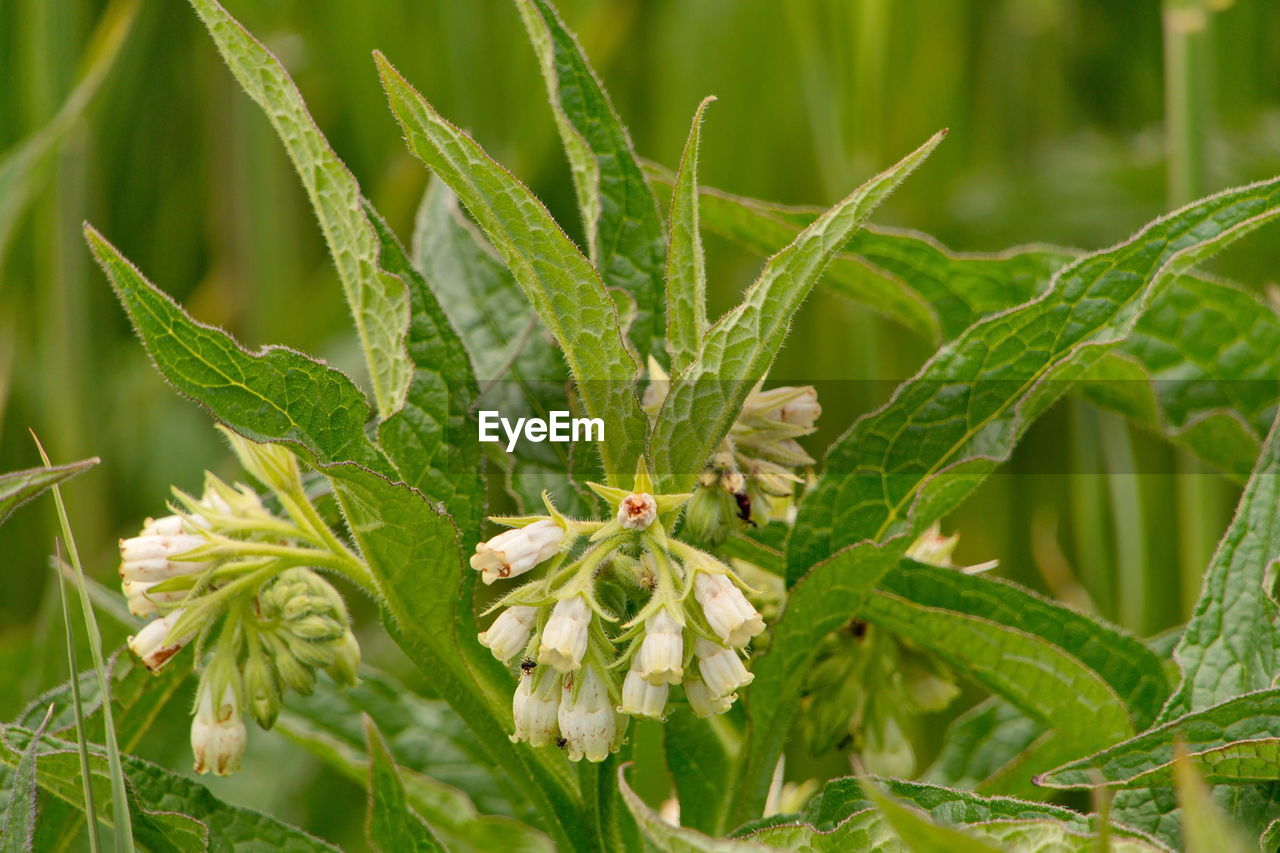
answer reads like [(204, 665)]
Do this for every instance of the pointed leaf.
[(431, 440), (18, 487), (686, 264), (379, 304), (1205, 827), (678, 839), (619, 214), (563, 287), (920, 834), (392, 825), (738, 349), (902, 467)]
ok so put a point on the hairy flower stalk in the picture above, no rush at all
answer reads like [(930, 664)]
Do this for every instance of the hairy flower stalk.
[(686, 618), (241, 584)]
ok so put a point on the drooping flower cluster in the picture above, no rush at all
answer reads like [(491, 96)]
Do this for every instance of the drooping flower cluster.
[(240, 583), (683, 621), (751, 479), (869, 684)]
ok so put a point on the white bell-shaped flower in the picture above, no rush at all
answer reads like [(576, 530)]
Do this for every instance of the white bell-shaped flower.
[(727, 610), (660, 659), (721, 668), (534, 708), (509, 633), (516, 551), (588, 721), (564, 639)]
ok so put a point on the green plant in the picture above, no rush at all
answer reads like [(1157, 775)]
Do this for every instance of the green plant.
[(694, 543)]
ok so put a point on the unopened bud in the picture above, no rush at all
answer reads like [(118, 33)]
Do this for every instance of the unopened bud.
[(262, 689), (709, 517), (345, 670)]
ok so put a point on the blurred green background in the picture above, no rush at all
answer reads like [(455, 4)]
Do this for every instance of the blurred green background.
[(1057, 115)]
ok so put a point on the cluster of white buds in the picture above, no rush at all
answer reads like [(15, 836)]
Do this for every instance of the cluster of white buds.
[(868, 684), (233, 578), (752, 477), (689, 621)]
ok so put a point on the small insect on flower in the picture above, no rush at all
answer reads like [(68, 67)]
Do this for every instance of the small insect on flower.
[(743, 500), (516, 551), (528, 665)]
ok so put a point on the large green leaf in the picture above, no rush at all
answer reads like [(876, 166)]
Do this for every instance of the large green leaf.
[(276, 394), (392, 825), (739, 347), (18, 824), (1237, 741), (1229, 646), (1199, 367), (686, 263), (1067, 670), (171, 812), (379, 304), (669, 838), (517, 362), (623, 229), (411, 545), (902, 467), (445, 770), (430, 439), (993, 748), (563, 287), (700, 755), (918, 832), (18, 487), (413, 550), (842, 817)]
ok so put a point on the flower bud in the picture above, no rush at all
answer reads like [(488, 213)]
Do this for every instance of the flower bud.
[(641, 698), (143, 602), (169, 525), (218, 735), (262, 689), (720, 668), (509, 633), (151, 557), (588, 721), (660, 659), (702, 703), (293, 673), (637, 511), (803, 410), (886, 750), (564, 640), (345, 669), (727, 610), (152, 644), (516, 551), (534, 708), (710, 516)]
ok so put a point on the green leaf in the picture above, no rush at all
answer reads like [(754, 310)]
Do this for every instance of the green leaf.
[(841, 818), (764, 228), (24, 166), (430, 439), (902, 467), (171, 811), (18, 826), (379, 304), (563, 287), (700, 755), (276, 394), (678, 839), (619, 214), (18, 487), (993, 748), (738, 349), (445, 770), (518, 363), (1229, 646), (686, 263), (920, 834), (1199, 366), (1086, 679), (1205, 827), (1236, 741), (392, 825), (413, 549)]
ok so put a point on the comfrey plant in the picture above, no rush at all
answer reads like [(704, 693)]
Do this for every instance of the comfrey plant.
[(241, 583), (698, 600)]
